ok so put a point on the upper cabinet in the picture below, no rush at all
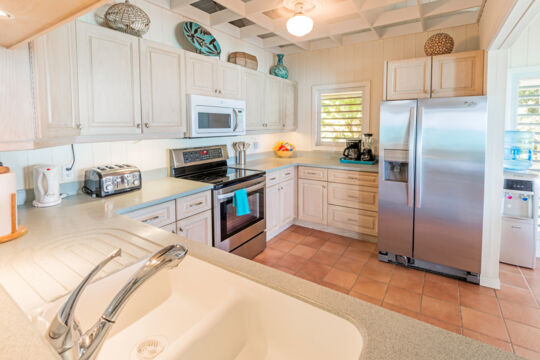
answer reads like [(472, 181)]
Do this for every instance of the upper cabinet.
[(458, 74), (288, 105), (162, 90), (273, 100), (109, 94), (211, 77), (56, 85), (255, 99), (408, 79)]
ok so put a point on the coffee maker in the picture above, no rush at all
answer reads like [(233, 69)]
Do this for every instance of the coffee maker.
[(352, 149), (368, 152)]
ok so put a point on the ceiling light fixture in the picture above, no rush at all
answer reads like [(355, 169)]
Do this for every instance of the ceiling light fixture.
[(5, 15), (300, 24)]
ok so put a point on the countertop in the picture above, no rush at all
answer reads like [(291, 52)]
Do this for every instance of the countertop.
[(83, 228)]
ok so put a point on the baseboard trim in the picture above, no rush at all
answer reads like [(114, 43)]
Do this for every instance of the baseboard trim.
[(275, 233), (494, 283), (337, 231)]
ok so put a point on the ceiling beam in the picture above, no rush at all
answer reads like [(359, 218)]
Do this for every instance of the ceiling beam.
[(396, 16), (175, 4), (238, 6), (448, 6), (251, 31), (260, 6), (421, 14), (223, 16), (451, 21), (358, 6)]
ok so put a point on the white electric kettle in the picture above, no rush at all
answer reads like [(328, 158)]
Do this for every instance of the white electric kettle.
[(46, 186)]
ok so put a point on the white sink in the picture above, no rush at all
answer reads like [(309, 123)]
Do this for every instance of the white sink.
[(200, 311)]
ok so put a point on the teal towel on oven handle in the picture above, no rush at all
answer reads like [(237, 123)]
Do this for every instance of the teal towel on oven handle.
[(241, 203)]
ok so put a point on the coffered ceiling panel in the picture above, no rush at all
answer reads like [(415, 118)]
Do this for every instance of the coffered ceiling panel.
[(336, 22)]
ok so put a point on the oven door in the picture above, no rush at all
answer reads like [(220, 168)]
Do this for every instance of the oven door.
[(214, 121), (231, 230)]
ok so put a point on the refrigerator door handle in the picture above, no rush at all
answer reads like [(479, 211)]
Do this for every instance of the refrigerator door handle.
[(419, 169), (410, 175)]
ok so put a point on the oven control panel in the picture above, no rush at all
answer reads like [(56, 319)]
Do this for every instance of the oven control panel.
[(202, 155)]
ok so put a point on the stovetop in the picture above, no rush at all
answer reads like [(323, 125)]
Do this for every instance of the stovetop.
[(222, 176)]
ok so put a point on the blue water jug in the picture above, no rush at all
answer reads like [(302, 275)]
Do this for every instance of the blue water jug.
[(518, 150)]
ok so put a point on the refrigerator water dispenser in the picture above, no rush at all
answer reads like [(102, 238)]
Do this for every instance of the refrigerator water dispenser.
[(396, 165)]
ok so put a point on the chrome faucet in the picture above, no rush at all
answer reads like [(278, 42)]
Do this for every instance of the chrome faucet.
[(64, 333)]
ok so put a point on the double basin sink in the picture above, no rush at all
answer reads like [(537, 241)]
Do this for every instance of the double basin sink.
[(200, 311)]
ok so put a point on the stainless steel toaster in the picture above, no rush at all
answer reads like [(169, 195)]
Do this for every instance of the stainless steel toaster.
[(111, 179)]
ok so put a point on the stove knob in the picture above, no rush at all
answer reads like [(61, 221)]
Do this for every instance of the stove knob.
[(108, 187)]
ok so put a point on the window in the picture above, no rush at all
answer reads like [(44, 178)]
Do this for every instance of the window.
[(525, 106), (340, 112)]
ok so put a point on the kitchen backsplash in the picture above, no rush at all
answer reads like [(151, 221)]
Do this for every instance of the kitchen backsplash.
[(145, 154)]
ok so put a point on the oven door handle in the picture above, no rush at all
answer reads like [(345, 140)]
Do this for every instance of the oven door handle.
[(231, 194)]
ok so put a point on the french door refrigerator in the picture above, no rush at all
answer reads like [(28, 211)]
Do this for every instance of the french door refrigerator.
[(431, 184)]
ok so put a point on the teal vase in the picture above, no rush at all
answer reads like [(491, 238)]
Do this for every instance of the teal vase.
[(279, 69)]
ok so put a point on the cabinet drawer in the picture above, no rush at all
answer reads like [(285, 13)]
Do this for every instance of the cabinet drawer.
[(193, 204), (361, 221), (157, 215), (170, 228), (286, 174), (358, 197), (272, 178), (353, 177), (312, 173)]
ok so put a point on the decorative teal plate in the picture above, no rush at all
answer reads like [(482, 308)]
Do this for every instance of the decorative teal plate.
[(204, 42)]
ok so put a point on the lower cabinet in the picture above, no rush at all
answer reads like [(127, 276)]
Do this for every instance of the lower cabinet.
[(280, 201), (312, 201), (360, 221), (197, 227)]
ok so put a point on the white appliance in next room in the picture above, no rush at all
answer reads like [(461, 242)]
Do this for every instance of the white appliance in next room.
[(520, 219), (211, 116), (46, 186)]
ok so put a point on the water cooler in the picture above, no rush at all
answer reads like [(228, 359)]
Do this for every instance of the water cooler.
[(520, 219)]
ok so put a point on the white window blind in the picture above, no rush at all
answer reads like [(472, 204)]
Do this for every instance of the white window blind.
[(528, 112), (342, 112)]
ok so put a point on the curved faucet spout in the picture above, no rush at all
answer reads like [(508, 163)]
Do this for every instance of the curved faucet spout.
[(92, 340)]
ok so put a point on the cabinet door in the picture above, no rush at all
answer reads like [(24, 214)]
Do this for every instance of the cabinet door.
[(197, 227), (255, 99), (55, 61), (108, 71), (460, 74), (312, 201), (288, 105), (201, 75), (272, 208), (229, 80), (272, 110), (287, 201), (162, 97), (408, 79)]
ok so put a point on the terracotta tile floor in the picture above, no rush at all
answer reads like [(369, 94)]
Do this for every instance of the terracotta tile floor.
[(508, 318)]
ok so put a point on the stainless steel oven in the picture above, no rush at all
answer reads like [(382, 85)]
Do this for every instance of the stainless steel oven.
[(245, 234)]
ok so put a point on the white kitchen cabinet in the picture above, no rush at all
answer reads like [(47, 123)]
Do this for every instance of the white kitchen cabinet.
[(273, 100), (211, 77), (286, 201), (108, 71), (56, 83), (360, 221), (288, 105), (162, 96), (157, 215), (408, 79), (197, 227), (273, 208), (458, 74), (312, 201), (254, 83)]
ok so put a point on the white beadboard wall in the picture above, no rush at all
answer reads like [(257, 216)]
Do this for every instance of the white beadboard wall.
[(525, 52), (360, 62), (146, 154), (166, 28)]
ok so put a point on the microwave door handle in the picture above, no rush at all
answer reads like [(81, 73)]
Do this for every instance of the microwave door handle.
[(235, 117), (231, 194)]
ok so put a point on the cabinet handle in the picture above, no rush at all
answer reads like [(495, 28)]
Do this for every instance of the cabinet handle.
[(351, 178), (196, 204), (349, 219), (220, 91), (150, 219), (324, 187), (180, 229), (287, 174), (174, 231), (138, 126), (79, 126), (273, 178), (146, 125)]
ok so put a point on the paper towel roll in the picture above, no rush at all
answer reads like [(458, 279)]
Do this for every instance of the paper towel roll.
[(8, 186)]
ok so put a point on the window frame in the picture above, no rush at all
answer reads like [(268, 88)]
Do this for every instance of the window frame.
[(318, 90)]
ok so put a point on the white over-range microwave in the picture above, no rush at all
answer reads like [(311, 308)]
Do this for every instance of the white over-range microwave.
[(212, 116)]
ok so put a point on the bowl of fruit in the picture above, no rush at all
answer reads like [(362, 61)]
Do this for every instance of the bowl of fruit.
[(284, 149)]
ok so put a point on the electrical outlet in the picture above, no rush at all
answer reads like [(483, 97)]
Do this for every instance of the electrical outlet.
[(255, 145), (67, 175)]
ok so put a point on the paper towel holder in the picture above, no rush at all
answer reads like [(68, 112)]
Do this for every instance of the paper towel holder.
[(16, 232)]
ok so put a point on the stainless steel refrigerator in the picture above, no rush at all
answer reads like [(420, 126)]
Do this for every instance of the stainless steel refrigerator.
[(431, 184)]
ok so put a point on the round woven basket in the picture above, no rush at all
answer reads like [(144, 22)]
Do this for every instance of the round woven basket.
[(127, 18), (439, 44)]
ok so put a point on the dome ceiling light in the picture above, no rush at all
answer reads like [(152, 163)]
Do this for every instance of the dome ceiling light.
[(300, 24)]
